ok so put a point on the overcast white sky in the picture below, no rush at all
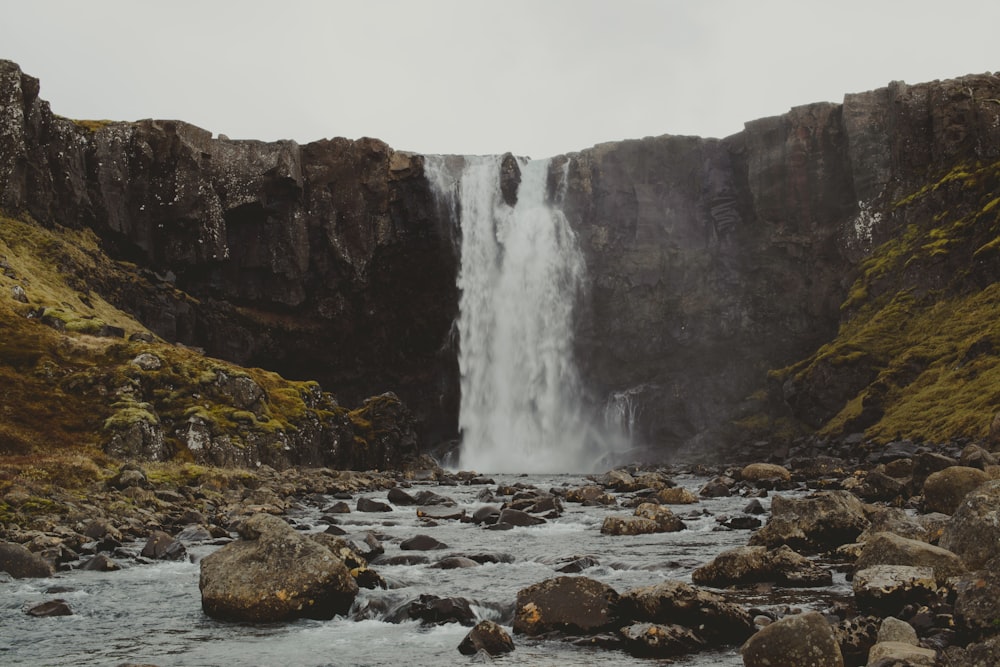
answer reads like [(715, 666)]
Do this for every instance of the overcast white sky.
[(536, 77)]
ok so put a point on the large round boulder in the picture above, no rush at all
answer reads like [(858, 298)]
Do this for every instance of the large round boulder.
[(974, 530), (945, 489), (486, 636), (571, 605), (820, 522), (20, 563), (274, 574), (889, 549), (794, 641)]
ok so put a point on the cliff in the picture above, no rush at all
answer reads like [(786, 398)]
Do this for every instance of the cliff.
[(728, 279)]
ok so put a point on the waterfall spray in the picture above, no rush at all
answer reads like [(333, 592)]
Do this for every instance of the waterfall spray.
[(521, 273)]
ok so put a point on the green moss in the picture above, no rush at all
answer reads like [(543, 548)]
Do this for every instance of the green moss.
[(92, 125)]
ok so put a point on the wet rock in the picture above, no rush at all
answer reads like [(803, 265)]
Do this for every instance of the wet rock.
[(421, 543), (740, 522), (426, 497), (486, 636), (675, 495), (794, 641), (98, 529), (51, 608), (161, 546), (434, 610), (752, 564), (578, 564), (897, 521), (437, 513), (518, 518), (879, 486), (716, 488), (820, 522), (486, 515), (510, 178), (569, 605), (711, 616), (194, 533), (454, 563), (100, 563), (370, 505), (397, 496), (339, 507), (274, 574), (974, 530), (353, 560), (754, 507), (975, 456), (404, 559), (900, 653), (885, 589), (20, 563), (591, 495), (648, 518), (653, 640), (768, 473), (944, 490), (889, 549), (619, 480)]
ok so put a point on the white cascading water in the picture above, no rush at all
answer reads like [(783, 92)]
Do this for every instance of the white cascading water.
[(520, 276)]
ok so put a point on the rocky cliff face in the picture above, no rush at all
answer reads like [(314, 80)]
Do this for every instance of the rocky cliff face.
[(710, 262), (325, 261)]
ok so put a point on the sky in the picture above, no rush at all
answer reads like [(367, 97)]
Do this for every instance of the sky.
[(535, 77)]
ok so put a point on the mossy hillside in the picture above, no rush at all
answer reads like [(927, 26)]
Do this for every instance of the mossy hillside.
[(921, 324), (64, 391)]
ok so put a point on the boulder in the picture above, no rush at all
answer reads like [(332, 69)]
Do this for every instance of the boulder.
[(274, 574), (982, 654), (901, 653), (352, 559), (820, 522), (518, 518), (975, 456), (161, 546), (890, 549), (751, 564), (794, 641), (977, 600), (648, 518), (886, 589), (675, 495), (894, 630), (421, 543), (765, 472), (591, 495), (653, 640), (371, 505), (895, 520), (397, 496), (711, 616), (945, 489), (486, 636), (51, 608), (100, 563), (487, 515), (856, 636), (434, 610), (440, 513), (20, 563), (974, 530), (570, 605)]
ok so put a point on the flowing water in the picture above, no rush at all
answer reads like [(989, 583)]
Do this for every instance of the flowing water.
[(151, 612), (521, 274)]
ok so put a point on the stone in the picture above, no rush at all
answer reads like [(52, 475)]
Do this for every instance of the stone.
[(894, 630), (569, 605), (20, 563), (982, 654), (434, 610), (421, 543), (975, 456), (487, 515), (794, 641), (161, 546), (441, 513), (274, 574), (648, 518), (518, 518), (591, 494), (902, 653), (398, 496), (510, 178), (977, 600), (752, 564), (888, 588), (370, 505), (486, 636), (945, 489), (711, 616), (973, 533), (18, 294), (654, 640), (675, 495), (820, 522), (856, 636), (147, 361), (100, 563), (890, 549), (51, 608), (765, 472)]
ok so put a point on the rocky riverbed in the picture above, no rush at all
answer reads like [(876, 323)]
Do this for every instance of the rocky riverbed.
[(859, 557)]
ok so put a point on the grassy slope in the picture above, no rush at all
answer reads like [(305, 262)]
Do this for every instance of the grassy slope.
[(923, 317)]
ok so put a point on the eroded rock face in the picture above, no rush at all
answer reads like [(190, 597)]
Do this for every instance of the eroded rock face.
[(274, 574), (825, 520), (711, 616)]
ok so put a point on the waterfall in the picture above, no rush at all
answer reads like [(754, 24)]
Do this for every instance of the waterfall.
[(521, 273)]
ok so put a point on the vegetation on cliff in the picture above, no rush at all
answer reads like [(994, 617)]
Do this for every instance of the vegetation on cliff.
[(917, 354)]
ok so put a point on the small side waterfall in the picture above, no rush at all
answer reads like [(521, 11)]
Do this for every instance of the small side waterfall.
[(521, 273)]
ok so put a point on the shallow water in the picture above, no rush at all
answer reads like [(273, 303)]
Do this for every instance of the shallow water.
[(152, 613)]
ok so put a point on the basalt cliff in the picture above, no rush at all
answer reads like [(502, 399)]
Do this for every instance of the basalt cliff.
[(829, 271)]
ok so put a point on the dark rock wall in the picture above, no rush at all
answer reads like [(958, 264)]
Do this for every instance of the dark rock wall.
[(710, 261)]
